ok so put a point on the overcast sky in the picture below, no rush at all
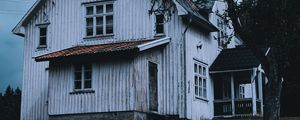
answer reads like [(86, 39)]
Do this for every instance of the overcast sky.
[(11, 46)]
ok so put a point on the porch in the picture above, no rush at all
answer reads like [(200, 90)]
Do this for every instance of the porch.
[(238, 84)]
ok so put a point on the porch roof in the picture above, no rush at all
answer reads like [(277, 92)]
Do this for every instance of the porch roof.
[(234, 59), (129, 45)]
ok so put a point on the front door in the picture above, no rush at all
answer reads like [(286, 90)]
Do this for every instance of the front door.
[(153, 99)]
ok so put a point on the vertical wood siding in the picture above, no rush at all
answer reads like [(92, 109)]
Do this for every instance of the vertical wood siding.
[(115, 90), (66, 29), (111, 81)]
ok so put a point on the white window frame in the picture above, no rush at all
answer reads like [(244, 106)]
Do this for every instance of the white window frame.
[(94, 16), (82, 80), (45, 36), (200, 80)]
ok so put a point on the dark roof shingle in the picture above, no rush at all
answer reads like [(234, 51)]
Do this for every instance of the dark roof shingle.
[(92, 49), (235, 59)]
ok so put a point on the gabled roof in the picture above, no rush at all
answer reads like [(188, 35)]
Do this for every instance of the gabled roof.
[(132, 45), (194, 10), (234, 59)]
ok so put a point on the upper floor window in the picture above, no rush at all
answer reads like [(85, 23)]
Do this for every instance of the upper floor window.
[(83, 77), (43, 37), (200, 80), (99, 19), (159, 24)]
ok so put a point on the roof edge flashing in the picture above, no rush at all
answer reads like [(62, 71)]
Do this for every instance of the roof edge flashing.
[(154, 43)]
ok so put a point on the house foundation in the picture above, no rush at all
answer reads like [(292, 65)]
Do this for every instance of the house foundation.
[(130, 115)]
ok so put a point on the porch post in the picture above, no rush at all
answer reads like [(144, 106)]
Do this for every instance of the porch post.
[(260, 91), (232, 93), (253, 75)]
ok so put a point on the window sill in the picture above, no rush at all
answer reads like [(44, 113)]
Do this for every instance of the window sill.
[(201, 99), (98, 36), (81, 92), (160, 35), (42, 47)]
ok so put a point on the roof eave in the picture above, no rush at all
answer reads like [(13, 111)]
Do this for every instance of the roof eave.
[(17, 29), (231, 70), (204, 24)]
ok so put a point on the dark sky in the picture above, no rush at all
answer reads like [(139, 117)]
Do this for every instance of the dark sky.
[(11, 46)]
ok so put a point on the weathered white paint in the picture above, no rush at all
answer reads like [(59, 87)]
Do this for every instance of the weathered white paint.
[(112, 82), (115, 90)]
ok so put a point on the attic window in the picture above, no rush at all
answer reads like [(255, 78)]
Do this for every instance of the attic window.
[(43, 37), (99, 19), (159, 27)]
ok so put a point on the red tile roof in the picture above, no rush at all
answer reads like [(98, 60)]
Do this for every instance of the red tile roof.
[(92, 49)]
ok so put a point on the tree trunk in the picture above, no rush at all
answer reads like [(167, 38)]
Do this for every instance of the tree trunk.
[(273, 90)]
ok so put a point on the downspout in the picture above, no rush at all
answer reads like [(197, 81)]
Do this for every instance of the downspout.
[(184, 63)]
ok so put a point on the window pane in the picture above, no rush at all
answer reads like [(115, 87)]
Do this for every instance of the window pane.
[(87, 84), (109, 24), (109, 8), (43, 31), (196, 90), (88, 75), (109, 29), (78, 68), (159, 24), (89, 31), (89, 10), (99, 21), (200, 70), (89, 22), (99, 30), (204, 71), (196, 80), (200, 86), (77, 84), (43, 41), (77, 75), (195, 68), (204, 93), (99, 9), (204, 83), (109, 20), (88, 67)]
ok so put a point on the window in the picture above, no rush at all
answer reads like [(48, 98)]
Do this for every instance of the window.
[(99, 20), (83, 76), (222, 35), (159, 26), (200, 80), (43, 37)]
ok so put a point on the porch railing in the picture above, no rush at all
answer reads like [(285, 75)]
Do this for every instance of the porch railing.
[(223, 107), (241, 107)]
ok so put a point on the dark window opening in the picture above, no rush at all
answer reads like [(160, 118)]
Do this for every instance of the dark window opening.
[(43, 37), (159, 24)]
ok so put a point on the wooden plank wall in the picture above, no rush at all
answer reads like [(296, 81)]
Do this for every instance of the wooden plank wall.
[(66, 29)]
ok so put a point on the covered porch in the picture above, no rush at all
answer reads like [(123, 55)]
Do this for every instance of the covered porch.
[(238, 84)]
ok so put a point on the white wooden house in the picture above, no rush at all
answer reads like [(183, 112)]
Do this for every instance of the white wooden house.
[(111, 59)]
